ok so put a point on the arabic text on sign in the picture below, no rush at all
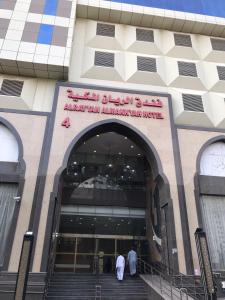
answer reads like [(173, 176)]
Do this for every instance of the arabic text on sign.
[(117, 101)]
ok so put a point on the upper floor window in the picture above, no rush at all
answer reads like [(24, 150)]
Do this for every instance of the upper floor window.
[(193, 102), (221, 72), (187, 69), (182, 40), (147, 64), (144, 35), (218, 44), (105, 29), (11, 87), (104, 59)]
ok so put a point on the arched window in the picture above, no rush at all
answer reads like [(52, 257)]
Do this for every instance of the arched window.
[(213, 160), (9, 149), (9, 153), (212, 164)]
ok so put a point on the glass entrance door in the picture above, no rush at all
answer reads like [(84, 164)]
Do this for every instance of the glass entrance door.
[(94, 254)]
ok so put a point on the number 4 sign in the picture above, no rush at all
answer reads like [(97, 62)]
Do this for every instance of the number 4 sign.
[(66, 122)]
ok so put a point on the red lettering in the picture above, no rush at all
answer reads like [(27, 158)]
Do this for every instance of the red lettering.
[(119, 102), (93, 109), (96, 109), (90, 109), (104, 110), (159, 115), (135, 113), (66, 122)]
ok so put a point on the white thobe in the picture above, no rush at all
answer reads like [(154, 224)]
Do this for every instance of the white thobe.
[(132, 260), (120, 265)]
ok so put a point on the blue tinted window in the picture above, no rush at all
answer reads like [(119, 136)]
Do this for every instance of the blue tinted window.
[(45, 34), (51, 7)]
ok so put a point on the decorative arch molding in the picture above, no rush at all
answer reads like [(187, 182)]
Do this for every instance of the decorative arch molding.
[(153, 158), (13, 172), (123, 128)]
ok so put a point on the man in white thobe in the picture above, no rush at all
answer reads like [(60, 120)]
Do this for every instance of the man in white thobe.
[(132, 261), (120, 265)]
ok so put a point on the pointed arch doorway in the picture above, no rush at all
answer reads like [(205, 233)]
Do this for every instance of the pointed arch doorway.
[(112, 194)]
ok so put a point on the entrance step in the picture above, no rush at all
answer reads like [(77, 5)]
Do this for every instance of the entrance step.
[(69, 286)]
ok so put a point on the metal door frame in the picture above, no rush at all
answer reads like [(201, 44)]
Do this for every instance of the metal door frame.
[(96, 237)]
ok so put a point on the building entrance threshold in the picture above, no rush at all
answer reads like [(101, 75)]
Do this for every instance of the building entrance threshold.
[(93, 253)]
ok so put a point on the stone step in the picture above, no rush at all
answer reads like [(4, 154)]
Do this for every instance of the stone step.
[(107, 297), (90, 292), (107, 285), (66, 286)]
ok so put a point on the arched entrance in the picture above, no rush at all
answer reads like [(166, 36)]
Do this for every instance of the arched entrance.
[(112, 195)]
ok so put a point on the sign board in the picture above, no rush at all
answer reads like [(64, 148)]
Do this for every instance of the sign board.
[(108, 103)]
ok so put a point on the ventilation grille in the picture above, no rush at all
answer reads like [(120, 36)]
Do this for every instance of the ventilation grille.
[(144, 35), (221, 72), (218, 44), (104, 59), (105, 30), (11, 87), (182, 40), (187, 69), (193, 102), (147, 64)]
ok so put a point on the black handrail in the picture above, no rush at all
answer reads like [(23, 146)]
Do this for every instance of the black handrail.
[(51, 261), (172, 283)]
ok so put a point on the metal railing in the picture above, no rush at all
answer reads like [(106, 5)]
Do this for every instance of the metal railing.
[(175, 286), (51, 261), (98, 292)]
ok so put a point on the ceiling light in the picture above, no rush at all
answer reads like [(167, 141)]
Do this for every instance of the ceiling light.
[(128, 167), (75, 174), (139, 154), (133, 171), (75, 162), (132, 146), (94, 151), (110, 165), (120, 153), (71, 220), (80, 223), (97, 135), (125, 138)]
